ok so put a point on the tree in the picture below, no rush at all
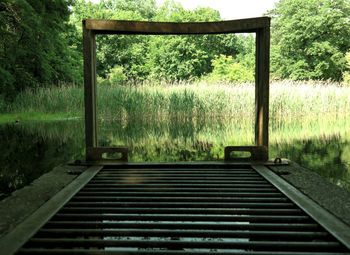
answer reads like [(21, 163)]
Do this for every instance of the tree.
[(147, 9), (183, 57), (127, 51), (346, 74), (33, 49), (227, 69), (310, 38), (161, 57)]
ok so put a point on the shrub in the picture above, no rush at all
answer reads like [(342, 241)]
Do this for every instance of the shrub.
[(116, 75), (227, 69), (103, 82), (346, 74), (2, 104)]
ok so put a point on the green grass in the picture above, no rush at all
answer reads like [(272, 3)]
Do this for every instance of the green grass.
[(287, 98), (67, 100)]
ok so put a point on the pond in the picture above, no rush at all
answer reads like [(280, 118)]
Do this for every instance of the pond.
[(29, 149)]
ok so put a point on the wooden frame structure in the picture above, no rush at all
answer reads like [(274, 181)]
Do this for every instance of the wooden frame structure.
[(260, 26)]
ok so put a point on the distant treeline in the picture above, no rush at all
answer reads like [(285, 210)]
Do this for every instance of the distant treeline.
[(41, 43)]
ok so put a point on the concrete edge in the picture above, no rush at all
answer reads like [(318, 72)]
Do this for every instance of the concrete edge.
[(331, 197), (22, 203)]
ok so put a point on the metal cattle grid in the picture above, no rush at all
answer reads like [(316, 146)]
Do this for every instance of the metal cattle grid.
[(189, 209)]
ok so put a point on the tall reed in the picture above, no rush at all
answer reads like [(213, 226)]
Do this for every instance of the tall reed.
[(181, 99)]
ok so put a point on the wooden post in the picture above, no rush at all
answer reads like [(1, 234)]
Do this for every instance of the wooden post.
[(90, 91), (262, 86)]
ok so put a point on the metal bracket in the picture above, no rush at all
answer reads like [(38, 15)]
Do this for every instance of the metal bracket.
[(277, 162), (257, 153), (96, 154)]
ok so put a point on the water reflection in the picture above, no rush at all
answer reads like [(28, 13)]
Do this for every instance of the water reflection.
[(30, 149), (329, 157), (176, 139)]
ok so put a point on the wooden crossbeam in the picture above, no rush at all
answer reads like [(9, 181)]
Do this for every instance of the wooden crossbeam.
[(158, 28)]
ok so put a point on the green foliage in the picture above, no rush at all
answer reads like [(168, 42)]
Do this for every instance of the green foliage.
[(154, 57), (175, 57), (122, 50), (33, 48), (116, 75), (2, 104), (41, 43), (246, 51), (144, 8), (227, 69), (39, 46), (184, 57), (346, 74), (310, 38), (172, 11)]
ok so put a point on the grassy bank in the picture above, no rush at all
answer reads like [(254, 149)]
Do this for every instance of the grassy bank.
[(188, 99)]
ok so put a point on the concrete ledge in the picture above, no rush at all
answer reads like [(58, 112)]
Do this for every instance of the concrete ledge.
[(23, 202), (328, 195)]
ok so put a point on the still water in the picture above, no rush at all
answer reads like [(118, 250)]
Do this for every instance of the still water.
[(29, 149)]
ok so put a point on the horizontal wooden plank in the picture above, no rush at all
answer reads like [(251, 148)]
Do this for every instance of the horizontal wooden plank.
[(158, 28)]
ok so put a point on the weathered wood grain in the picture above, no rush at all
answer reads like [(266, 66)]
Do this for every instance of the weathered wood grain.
[(262, 71), (90, 88), (157, 28)]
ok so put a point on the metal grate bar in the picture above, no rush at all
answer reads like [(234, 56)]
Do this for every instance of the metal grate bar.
[(179, 217), (176, 194), (185, 204), (237, 211), (181, 211), (177, 199), (175, 244), (181, 233), (183, 175), (169, 189), (167, 178), (155, 252), (179, 186), (188, 225)]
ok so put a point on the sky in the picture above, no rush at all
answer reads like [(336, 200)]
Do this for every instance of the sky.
[(229, 9)]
